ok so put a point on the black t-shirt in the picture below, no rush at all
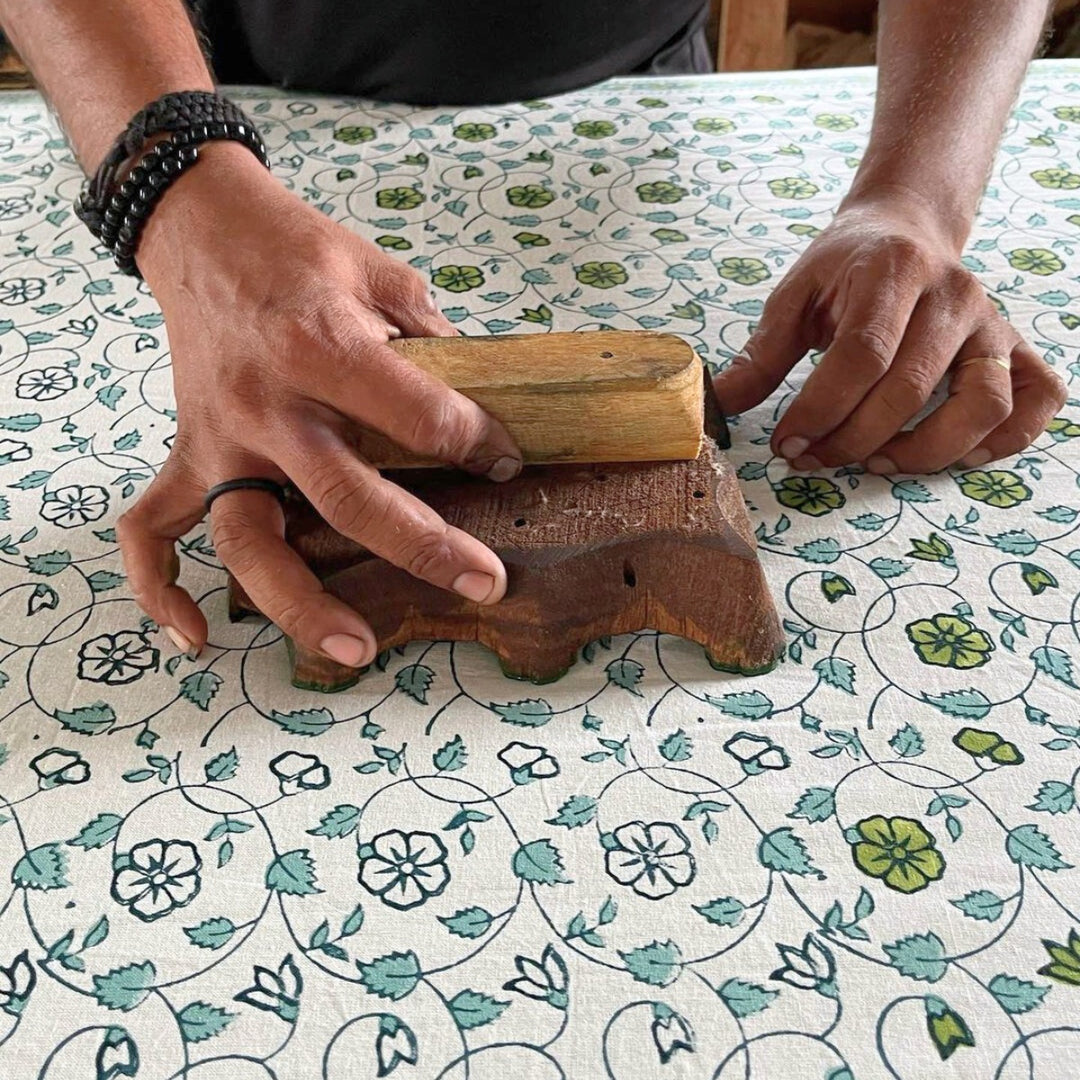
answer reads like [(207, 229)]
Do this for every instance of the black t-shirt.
[(450, 52)]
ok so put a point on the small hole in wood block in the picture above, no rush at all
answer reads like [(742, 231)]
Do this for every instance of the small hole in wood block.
[(601, 477), (519, 523), (607, 355), (699, 494), (628, 576)]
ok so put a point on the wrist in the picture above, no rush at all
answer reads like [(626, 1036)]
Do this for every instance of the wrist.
[(940, 216), (183, 220)]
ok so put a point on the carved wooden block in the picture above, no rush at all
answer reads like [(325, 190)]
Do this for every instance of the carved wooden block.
[(589, 550)]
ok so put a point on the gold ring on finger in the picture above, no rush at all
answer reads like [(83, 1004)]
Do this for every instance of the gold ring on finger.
[(1001, 361)]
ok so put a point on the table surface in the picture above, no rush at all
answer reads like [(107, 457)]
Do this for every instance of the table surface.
[(849, 867)]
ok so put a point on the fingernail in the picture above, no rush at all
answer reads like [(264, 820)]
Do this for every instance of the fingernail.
[(793, 446), (181, 642), (474, 585), (506, 468), (807, 463), (881, 465), (350, 651), (979, 456)]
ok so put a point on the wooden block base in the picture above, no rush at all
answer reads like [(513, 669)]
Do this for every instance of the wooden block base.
[(590, 550)]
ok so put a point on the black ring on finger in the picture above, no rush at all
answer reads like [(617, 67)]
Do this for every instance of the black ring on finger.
[(245, 483)]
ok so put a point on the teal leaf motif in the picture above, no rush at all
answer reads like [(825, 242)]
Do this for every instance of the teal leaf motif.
[(837, 672), (539, 862), (200, 1021), (745, 998), (908, 741), (658, 964), (823, 550), (981, 904), (920, 956), (472, 922), (534, 712), (1055, 662), (293, 874), (968, 704), (625, 674), (782, 850), (97, 933), (211, 933), (415, 681), (678, 746), (223, 767), (471, 1009), (103, 580), (88, 719), (450, 757), (341, 821), (815, 804), (1054, 797), (98, 832), (52, 562), (748, 705), (1028, 846), (725, 911), (200, 687), (42, 868), (1016, 995), (576, 811), (393, 976), (124, 988), (304, 721)]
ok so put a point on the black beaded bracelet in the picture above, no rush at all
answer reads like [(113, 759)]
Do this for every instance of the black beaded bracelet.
[(192, 117)]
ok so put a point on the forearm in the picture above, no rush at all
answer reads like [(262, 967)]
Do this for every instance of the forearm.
[(99, 62), (948, 73)]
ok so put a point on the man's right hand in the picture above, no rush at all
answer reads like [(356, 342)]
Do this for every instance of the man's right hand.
[(278, 321)]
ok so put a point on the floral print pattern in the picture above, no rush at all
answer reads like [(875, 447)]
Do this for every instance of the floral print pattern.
[(865, 861)]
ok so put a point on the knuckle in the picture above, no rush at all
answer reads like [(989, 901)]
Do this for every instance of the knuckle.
[(427, 554), (443, 430), (996, 403), (906, 256), (874, 346), (910, 387), (350, 507), (233, 541), (1055, 389)]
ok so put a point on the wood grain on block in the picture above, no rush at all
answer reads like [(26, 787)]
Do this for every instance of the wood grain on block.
[(604, 395), (590, 550)]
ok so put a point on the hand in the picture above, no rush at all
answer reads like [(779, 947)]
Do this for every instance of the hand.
[(278, 321), (883, 293)]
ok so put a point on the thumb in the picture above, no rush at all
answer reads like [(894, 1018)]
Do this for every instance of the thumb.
[(776, 346)]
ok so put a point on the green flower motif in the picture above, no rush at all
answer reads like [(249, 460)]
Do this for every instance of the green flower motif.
[(998, 487), (354, 134), (398, 243), (660, 191), (601, 275), (813, 495), (474, 132), (1056, 178), (899, 851), (458, 278), (947, 640), (714, 125), (1035, 261), (594, 129), (1068, 113), (530, 195), (1061, 429), (793, 187), (399, 198), (835, 121), (743, 271), (1066, 960)]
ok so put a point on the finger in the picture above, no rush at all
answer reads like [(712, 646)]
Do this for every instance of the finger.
[(868, 333), (931, 341), (382, 390), (249, 528), (147, 534), (354, 499), (1037, 394), (777, 345), (980, 398), (402, 296)]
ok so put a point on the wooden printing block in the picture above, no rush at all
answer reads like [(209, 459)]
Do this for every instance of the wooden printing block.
[(590, 550)]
